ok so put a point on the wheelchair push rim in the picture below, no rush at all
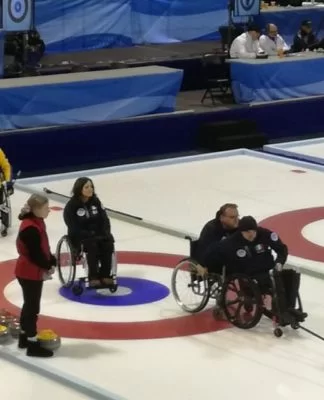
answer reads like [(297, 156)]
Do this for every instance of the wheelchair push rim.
[(66, 262), (242, 301), (189, 291)]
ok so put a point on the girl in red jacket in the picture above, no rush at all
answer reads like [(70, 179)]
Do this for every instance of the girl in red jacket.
[(34, 263)]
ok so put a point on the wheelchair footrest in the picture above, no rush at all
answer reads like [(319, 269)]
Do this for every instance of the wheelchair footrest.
[(290, 317), (298, 315), (111, 286)]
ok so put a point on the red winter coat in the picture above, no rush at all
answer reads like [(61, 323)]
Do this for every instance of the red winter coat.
[(25, 268)]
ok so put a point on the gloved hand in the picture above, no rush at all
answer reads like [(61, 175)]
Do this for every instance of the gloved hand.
[(53, 261), (10, 188)]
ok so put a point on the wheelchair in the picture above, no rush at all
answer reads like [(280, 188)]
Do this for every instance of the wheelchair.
[(68, 258), (239, 298)]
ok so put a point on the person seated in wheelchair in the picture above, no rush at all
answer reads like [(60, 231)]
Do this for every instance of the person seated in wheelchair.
[(89, 229), (6, 185), (249, 251), (222, 226)]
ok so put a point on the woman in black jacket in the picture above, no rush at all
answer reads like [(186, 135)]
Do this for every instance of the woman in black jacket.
[(89, 225)]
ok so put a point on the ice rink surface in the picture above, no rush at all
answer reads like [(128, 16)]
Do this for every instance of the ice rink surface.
[(311, 150), (223, 363)]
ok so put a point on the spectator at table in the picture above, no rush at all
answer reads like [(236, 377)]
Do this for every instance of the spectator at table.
[(247, 44), (272, 43), (305, 39)]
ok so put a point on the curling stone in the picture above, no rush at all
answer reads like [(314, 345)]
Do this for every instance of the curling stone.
[(14, 328), (5, 318), (4, 334), (49, 339)]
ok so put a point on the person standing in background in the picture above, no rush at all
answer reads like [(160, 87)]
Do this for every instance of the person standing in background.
[(5, 184)]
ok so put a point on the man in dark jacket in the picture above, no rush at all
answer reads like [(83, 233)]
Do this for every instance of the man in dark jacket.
[(249, 251), (305, 39), (222, 226)]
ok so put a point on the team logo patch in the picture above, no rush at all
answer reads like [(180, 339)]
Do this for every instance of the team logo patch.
[(259, 248), (274, 237), (81, 212), (241, 253)]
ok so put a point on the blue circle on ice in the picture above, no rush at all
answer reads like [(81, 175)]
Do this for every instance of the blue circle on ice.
[(130, 292)]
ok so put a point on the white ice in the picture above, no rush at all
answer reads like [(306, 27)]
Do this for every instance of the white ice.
[(226, 364)]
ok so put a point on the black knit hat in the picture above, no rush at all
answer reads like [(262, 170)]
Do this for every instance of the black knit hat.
[(247, 224)]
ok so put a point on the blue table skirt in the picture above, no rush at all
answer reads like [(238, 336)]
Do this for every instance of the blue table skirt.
[(289, 21), (88, 100), (277, 80)]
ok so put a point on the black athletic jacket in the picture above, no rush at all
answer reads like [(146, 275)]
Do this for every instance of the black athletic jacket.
[(241, 255), (86, 220), (212, 232)]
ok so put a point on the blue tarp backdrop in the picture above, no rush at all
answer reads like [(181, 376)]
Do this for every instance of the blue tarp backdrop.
[(77, 25), (89, 24), (90, 97)]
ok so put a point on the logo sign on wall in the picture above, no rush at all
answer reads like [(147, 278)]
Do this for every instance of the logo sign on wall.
[(17, 15), (247, 8)]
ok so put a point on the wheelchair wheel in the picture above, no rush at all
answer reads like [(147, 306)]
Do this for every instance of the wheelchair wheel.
[(278, 332), (242, 301), (189, 290), (66, 262)]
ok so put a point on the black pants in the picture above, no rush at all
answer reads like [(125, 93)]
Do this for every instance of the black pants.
[(4, 216), (99, 251), (32, 293), (287, 288)]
